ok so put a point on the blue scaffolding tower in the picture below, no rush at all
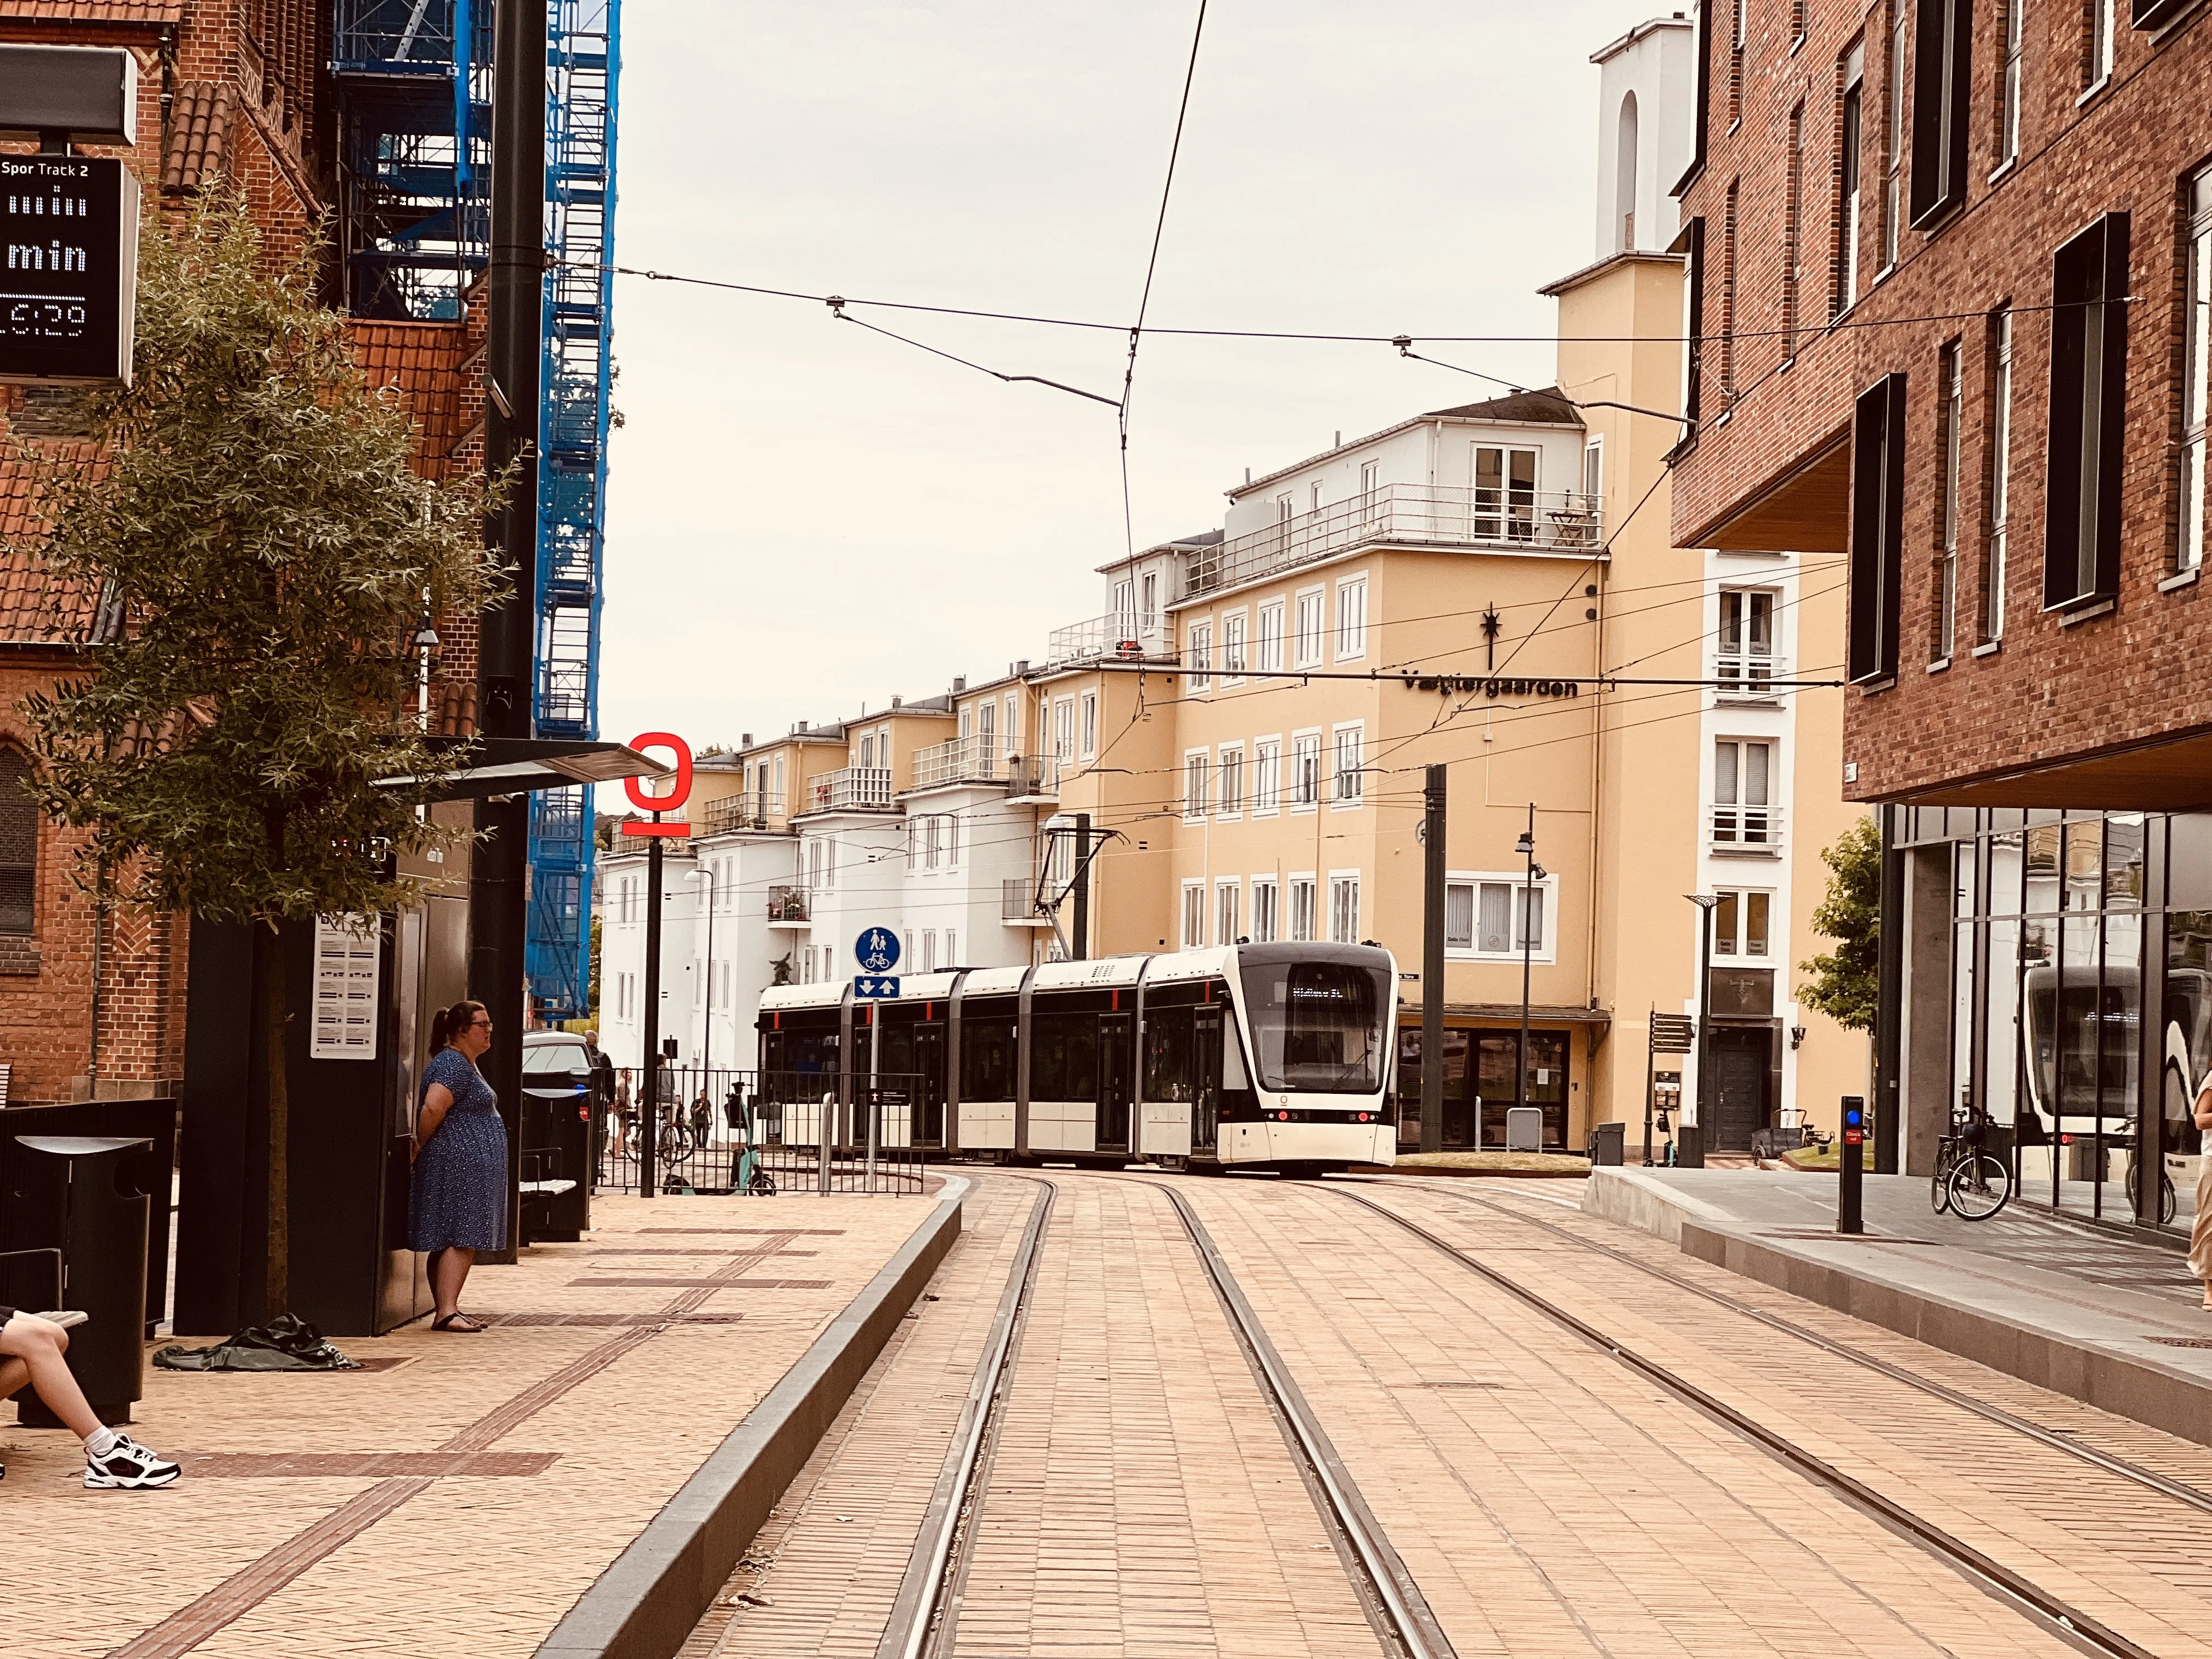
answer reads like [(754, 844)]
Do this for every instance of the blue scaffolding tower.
[(414, 79)]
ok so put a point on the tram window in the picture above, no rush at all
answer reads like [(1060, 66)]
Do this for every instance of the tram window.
[(1064, 1057), (1316, 1025), (986, 1059), (1168, 1038)]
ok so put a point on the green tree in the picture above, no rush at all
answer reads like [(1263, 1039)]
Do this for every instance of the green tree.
[(263, 547), (1846, 982)]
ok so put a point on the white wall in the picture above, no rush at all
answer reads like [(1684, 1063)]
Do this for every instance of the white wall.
[(622, 885), (732, 945), (1656, 64)]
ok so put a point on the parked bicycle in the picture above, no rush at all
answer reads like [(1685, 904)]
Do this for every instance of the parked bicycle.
[(1969, 1178), (676, 1140)]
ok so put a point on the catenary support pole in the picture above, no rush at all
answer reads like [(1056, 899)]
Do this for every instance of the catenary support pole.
[(1527, 955), (499, 868), (1079, 945), (1433, 862), (649, 1106)]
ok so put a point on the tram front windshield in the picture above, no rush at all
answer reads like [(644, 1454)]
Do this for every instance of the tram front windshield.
[(1316, 1026)]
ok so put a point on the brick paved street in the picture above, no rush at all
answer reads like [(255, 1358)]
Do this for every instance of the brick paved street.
[(460, 1499)]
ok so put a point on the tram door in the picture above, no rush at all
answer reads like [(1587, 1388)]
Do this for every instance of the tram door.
[(1116, 1081), (1205, 1082), (929, 1097)]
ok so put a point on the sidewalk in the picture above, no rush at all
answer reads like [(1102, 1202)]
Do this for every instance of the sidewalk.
[(2084, 1312), (464, 1491)]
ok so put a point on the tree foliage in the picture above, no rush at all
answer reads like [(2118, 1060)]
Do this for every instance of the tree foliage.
[(263, 548), (1846, 983)]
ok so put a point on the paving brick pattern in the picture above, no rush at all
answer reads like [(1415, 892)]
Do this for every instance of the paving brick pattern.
[(411, 1521), (1141, 1500), (1549, 1501)]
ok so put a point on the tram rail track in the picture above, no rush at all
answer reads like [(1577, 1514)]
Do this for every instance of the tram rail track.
[(925, 1614), (2070, 1624)]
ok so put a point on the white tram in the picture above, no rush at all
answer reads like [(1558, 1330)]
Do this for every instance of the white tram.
[(1271, 1054)]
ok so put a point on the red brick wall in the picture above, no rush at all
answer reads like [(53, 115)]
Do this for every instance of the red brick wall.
[(2050, 690)]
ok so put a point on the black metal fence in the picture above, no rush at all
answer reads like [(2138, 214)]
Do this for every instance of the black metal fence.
[(724, 1131)]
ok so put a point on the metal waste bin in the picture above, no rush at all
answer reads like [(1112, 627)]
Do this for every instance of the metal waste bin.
[(89, 1196), (1524, 1128), (1607, 1141)]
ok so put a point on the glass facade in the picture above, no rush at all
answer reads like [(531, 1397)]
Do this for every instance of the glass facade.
[(2064, 927)]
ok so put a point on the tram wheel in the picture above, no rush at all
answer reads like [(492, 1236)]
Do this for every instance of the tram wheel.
[(1172, 1164)]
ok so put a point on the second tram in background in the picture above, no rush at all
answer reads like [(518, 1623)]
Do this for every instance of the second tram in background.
[(1265, 1054)]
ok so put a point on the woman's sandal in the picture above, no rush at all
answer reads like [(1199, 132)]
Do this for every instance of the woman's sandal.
[(451, 1322)]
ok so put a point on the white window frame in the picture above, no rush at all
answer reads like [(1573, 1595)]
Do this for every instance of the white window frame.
[(1344, 917), (1546, 886), (1228, 782), (1197, 784), (1198, 655), (1087, 723), (1304, 781), (1306, 641), (1739, 925), (1228, 909), (1300, 915), (1268, 637), (1266, 785), (2103, 20), (2009, 86), (1194, 914), (1352, 618), (951, 949), (2196, 372), (1347, 782), (1951, 420), (1063, 729), (1993, 598), (1271, 910), (1233, 647)]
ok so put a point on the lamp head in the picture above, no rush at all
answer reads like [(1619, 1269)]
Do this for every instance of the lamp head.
[(1538, 871), (1526, 845), (1703, 901)]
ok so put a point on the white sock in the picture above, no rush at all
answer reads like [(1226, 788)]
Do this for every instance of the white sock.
[(102, 1441)]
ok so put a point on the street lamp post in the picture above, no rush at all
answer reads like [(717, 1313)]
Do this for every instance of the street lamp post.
[(706, 1031), (1706, 903), (1533, 873)]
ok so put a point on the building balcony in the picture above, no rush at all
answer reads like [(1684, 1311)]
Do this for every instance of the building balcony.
[(1740, 831), (1512, 520), (790, 909), (850, 789), (1118, 637), (1747, 677), (748, 811), (960, 760), (1017, 905), (1032, 779)]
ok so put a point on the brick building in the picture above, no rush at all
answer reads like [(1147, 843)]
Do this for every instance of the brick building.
[(1952, 276), (93, 1003)]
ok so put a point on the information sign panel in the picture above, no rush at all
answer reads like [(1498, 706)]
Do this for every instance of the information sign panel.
[(69, 289), (348, 950), (874, 987), (877, 950)]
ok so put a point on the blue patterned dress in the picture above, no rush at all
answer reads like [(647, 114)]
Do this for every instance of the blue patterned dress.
[(459, 1196)]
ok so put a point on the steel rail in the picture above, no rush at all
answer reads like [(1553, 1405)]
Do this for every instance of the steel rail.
[(920, 1610), (2111, 1462), (1410, 1618), (2069, 1623)]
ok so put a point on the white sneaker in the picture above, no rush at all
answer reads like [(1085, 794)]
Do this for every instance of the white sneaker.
[(68, 1319), (127, 1467)]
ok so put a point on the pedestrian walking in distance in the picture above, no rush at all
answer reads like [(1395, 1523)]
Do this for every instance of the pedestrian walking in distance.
[(2200, 1230), (31, 1350), (458, 1204)]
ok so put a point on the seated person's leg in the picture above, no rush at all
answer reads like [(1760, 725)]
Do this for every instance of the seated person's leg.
[(31, 1350)]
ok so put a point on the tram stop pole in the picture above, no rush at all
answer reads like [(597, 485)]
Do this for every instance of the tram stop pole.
[(1851, 1181)]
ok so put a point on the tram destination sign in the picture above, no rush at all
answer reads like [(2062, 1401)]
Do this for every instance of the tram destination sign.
[(68, 296)]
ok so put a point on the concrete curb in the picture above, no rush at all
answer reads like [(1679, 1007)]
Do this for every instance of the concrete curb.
[(645, 1605), (2139, 1389), (1425, 1171), (1633, 1198)]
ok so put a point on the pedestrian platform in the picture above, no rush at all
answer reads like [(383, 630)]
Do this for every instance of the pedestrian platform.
[(639, 1401), (2114, 1321)]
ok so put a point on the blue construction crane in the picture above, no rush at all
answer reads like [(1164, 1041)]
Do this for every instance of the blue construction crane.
[(414, 79)]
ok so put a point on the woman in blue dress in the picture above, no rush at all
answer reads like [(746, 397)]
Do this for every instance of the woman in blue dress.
[(458, 1204)]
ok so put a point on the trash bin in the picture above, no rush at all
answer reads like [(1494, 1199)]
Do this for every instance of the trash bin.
[(1605, 1142), (1524, 1128), (89, 1196)]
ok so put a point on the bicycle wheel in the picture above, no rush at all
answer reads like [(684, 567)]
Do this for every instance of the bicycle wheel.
[(2166, 1200), (1980, 1186), (1939, 1189)]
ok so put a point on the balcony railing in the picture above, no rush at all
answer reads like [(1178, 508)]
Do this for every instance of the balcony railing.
[(1745, 830), (1017, 904), (789, 907), (960, 760), (1745, 674), (850, 788), (1121, 636), (1033, 777), (748, 811), (1425, 515)]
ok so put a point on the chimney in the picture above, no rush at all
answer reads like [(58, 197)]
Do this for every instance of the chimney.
[(746, 740), (896, 702), (1023, 666), (959, 684)]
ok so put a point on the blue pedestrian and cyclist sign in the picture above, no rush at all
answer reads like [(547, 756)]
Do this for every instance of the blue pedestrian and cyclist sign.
[(874, 987), (875, 951)]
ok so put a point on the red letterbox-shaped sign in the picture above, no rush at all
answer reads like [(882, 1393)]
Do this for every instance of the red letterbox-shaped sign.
[(674, 800)]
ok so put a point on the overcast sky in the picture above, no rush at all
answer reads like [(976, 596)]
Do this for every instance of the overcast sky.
[(805, 519)]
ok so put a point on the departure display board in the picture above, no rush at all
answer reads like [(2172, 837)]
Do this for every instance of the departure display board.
[(69, 293)]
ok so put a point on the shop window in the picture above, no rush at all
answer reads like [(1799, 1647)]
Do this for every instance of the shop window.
[(2088, 395)]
